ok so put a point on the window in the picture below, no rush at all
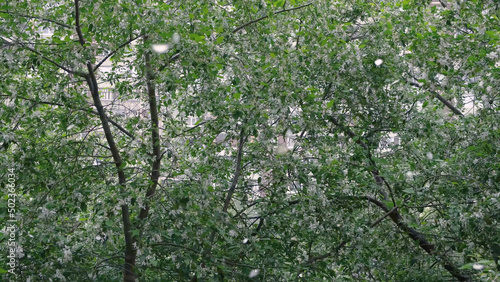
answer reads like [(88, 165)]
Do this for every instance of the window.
[(396, 140), (388, 141), (108, 94), (289, 139), (46, 32), (191, 121)]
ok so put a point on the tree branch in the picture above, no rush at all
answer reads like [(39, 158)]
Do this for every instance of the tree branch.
[(440, 98), (421, 240), (130, 251), (378, 179), (118, 126), (155, 135), (324, 256), (237, 171), (229, 195), (382, 218), (446, 103), (265, 17), (33, 43), (174, 245), (107, 259), (77, 23), (171, 59), (396, 217), (126, 132), (53, 62), (114, 51), (36, 17), (343, 243)]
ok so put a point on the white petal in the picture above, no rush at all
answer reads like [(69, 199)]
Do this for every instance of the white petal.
[(254, 273), (160, 48), (477, 266), (176, 38)]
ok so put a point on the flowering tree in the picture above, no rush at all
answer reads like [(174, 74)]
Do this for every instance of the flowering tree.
[(251, 140)]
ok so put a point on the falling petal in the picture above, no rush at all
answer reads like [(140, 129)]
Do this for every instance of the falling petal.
[(160, 48), (176, 38), (254, 273), (477, 266)]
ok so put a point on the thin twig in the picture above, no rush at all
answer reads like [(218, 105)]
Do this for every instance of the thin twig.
[(175, 245), (36, 17), (324, 256), (81, 109), (116, 50), (34, 43), (382, 218), (171, 59), (53, 62), (265, 17)]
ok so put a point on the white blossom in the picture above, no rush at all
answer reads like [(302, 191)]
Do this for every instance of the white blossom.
[(67, 255), (60, 275), (409, 175), (254, 273), (477, 266)]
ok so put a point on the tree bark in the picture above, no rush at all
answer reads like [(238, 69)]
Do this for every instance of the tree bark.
[(155, 135), (130, 252)]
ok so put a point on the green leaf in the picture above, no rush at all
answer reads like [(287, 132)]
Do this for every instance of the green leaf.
[(492, 34), (197, 37), (467, 266), (278, 3), (299, 183), (409, 191)]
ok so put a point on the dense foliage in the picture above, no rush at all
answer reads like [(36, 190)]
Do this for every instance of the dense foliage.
[(328, 140)]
